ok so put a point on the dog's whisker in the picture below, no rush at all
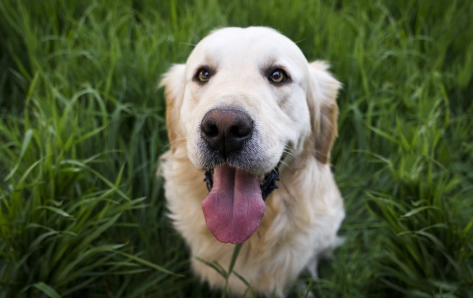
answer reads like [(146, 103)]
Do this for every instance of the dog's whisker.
[(286, 165), (175, 141), (291, 152), (182, 146)]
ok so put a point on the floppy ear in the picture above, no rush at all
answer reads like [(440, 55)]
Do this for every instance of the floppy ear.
[(173, 83), (323, 107)]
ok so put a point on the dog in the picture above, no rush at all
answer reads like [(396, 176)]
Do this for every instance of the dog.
[(248, 114)]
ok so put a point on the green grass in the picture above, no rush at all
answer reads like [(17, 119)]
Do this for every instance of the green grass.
[(82, 213)]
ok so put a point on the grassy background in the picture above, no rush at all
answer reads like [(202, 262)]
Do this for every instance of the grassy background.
[(82, 125)]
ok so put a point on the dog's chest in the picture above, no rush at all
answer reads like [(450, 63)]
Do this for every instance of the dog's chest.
[(293, 229)]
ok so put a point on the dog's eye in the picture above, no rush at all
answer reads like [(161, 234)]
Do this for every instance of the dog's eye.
[(278, 76), (203, 75)]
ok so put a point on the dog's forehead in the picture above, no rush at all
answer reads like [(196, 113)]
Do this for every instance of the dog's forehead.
[(243, 45)]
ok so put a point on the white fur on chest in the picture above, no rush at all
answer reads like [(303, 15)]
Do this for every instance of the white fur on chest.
[(300, 224)]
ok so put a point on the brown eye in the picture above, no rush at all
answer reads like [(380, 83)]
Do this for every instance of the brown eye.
[(278, 76), (203, 75)]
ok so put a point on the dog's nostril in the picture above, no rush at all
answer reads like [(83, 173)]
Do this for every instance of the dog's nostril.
[(240, 131), (210, 130)]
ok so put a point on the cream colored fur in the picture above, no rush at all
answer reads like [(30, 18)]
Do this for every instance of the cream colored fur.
[(297, 121)]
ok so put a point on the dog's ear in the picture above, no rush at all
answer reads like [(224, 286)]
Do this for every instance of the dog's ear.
[(323, 91), (174, 82)]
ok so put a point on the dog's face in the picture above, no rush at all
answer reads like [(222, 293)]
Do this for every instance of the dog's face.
[(246, 100)]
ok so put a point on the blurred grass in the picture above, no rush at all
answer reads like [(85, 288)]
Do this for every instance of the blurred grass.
[(82, 125)]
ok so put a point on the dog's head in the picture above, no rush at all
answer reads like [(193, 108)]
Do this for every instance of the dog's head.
[(245, 100)]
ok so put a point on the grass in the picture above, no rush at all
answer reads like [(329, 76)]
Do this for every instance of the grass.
[(82, 213)]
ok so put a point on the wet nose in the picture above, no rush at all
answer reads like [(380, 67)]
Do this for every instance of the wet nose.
[(226, 130)]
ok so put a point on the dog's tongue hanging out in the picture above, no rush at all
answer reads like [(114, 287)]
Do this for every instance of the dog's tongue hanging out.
[(234, 207)]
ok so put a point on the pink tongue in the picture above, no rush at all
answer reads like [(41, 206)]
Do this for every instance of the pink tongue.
[(234, 207)]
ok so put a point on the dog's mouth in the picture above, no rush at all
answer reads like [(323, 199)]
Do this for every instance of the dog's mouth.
[(235, 204)]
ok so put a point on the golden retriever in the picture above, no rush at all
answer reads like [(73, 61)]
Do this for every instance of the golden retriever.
[(246, 109)]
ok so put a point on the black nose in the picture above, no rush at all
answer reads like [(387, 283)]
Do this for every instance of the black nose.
[(226, 130)]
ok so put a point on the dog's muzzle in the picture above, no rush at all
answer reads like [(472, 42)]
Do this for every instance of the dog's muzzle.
[(235, 204)]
